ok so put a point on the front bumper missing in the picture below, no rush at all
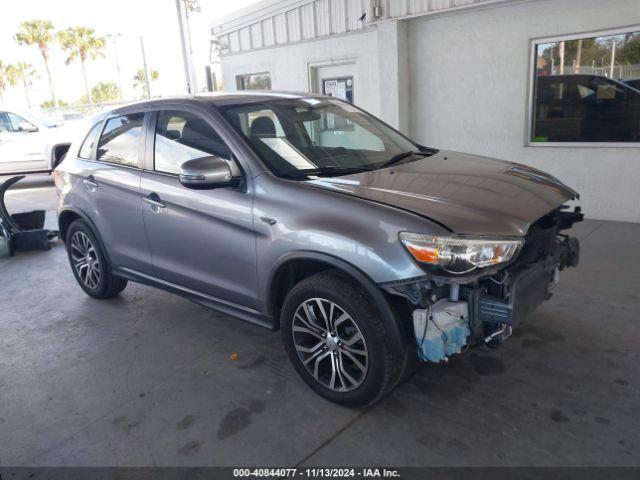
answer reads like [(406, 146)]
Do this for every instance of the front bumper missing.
[(528, 290), (490, 311)]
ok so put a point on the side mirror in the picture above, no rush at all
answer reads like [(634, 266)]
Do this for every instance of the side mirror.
[(27, 127), (206, 172)]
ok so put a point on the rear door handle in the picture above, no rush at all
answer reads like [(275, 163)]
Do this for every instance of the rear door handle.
[(91, 185), (153, 199)]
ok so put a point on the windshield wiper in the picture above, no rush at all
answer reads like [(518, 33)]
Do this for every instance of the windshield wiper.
[(401, 156), (328, 171)]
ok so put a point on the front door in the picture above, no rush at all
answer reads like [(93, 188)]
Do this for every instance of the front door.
[(199, 239)]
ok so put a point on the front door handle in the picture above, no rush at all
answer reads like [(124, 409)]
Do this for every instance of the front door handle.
[(91, 185), (153, 199)]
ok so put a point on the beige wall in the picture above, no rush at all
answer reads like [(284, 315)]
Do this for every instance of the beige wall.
[(288, 65)]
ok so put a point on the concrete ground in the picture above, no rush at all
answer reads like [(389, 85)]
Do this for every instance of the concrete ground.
[(148, 379)]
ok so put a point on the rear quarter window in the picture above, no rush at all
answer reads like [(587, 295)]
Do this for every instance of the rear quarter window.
[(89, 141)]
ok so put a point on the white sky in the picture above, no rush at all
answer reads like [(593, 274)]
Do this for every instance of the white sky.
[(155, 20)]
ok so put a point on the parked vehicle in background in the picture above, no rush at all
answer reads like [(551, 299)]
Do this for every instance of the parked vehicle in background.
[(585, 108), (30, 143), (633, 83), (68, 116), (370, 252)]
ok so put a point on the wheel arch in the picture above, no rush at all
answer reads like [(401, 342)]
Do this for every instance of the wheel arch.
[(69, 215), (294, 267)]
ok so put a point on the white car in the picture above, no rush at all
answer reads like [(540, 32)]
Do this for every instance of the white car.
[(30, 144)]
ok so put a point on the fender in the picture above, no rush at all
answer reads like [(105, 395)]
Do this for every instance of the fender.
[(392, 329), (89, 222)]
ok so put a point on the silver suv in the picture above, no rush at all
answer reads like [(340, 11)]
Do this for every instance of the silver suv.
[(304, 213)]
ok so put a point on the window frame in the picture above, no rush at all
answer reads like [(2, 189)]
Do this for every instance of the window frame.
[(531, 76), (217, 122), (141, 145), (151, 138)]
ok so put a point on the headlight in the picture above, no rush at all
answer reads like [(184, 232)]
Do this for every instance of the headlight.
[(459, 255)]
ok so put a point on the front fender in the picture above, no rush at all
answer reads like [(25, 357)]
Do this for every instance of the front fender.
[(294, 217), (392, 329)]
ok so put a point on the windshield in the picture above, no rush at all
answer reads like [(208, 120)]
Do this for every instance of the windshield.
[(38, 119), (310, 136)]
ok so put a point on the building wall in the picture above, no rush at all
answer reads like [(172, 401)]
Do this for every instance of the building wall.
[(468, 75), (281, 22), (289, 65)]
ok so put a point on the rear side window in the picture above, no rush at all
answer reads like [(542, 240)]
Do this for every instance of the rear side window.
[(182, 136), (90, 139), (120, 140)]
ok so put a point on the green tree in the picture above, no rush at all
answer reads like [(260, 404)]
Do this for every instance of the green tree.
[(139, 80), (629, 51), (22, 72), (81, 43), (3, 79), (47, 104), (40, 33), (103, 92)]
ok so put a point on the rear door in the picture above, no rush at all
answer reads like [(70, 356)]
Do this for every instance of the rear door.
[(199, 239), (110, 181), (21, 151)]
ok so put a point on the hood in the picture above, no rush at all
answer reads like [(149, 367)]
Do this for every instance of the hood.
[(64, 133), (468, 194)]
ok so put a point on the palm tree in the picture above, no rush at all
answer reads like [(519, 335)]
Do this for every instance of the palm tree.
[(40, 33), (82, 43), (22, 72), (139, 80)]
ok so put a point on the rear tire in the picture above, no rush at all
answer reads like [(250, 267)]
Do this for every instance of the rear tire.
[(336, 340), (89, 263)]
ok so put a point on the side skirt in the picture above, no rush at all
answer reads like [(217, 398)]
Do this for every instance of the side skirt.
[(28, 172), (223, 306)]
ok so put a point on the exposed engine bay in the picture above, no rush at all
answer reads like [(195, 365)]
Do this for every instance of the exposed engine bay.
[(454, 313)]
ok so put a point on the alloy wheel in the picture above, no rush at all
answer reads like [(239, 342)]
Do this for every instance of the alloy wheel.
[(330, 344), (85, 260)]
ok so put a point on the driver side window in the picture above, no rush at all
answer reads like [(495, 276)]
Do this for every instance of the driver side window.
[(182, 136)]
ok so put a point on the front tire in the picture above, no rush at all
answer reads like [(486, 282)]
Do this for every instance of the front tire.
[(335, 339), (89, 263)]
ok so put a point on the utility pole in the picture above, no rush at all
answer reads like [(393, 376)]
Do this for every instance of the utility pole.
[(613, 57), (115, 37), (186, 48), (146, 69)]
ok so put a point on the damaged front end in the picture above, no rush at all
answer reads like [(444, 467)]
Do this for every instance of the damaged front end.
[(477, 290)]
